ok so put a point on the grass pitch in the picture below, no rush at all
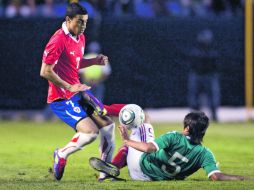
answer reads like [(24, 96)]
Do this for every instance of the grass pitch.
[(26, 154)]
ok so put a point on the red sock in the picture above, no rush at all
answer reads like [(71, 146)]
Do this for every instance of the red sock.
[(120, 159), (114, 109)]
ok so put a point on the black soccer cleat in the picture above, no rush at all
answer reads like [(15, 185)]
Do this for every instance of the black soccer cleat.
[(102, 166)]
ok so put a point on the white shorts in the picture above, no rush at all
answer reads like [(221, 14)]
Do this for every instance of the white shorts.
[(143, 133)]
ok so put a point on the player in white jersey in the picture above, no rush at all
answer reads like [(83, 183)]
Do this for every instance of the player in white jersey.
[(143, 132), (172, 156)]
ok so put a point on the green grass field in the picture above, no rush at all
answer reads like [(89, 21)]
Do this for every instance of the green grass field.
[(26, 150)]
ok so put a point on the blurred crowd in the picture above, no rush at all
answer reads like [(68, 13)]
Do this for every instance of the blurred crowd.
[(141, 8)]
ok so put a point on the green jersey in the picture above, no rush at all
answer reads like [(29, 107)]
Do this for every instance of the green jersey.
[(176, 158)]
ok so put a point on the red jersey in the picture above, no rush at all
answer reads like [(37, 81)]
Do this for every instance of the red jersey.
[(65, 52)]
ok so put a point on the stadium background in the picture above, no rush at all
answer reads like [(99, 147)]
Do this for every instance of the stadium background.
[(148, 68), (145, 54)]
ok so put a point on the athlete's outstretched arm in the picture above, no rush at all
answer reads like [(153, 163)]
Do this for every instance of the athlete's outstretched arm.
[(225, 177), (141, 146), (99, 60), (48, 73)]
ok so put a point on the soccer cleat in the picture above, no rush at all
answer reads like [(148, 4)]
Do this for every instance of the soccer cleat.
[(102, 166), (59, 165), (95, 103), (100, 112)]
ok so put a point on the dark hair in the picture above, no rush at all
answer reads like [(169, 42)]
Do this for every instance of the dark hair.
[(198, 123), (74, 9)]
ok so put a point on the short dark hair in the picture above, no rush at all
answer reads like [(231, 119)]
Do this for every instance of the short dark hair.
[(74, 9), (197, 122)]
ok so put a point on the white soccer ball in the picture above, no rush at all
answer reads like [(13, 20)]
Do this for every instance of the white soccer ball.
[(131, 116)]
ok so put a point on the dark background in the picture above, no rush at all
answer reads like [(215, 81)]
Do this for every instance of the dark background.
[(146, 55)]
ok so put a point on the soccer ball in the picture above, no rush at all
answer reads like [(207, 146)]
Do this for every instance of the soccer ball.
[(131, 116)]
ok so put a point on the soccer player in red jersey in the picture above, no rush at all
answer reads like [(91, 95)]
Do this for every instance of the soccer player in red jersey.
[(62, 58)]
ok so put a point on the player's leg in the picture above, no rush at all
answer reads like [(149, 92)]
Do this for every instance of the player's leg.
[(87, 132), (143, 133), (87, 98), (129, 156), (75, 116), (120, 159), (97, 112), (114, 109), (107, 138), (111, 110)]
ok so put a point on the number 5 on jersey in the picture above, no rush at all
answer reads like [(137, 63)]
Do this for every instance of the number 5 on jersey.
[(171, 162)]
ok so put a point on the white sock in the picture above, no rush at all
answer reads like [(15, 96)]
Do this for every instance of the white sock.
[(78, 141), (107, 144)]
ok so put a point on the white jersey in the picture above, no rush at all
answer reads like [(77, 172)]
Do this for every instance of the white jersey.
[(143, 133)]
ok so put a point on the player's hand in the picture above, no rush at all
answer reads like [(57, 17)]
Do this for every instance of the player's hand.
[(78, 87), (123, 132), (102, 59)]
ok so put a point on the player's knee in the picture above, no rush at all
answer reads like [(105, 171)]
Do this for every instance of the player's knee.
[(87, 127), (85, 138)]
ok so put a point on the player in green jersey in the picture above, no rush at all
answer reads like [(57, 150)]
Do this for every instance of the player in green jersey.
[(173, 155)]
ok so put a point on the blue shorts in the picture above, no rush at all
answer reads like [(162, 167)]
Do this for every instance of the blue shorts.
[(70, 111)]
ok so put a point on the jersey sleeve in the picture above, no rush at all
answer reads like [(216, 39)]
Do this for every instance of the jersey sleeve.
[(164, 141), (209, 163), (53, 50)]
